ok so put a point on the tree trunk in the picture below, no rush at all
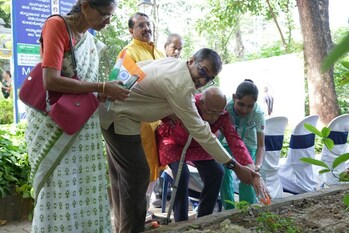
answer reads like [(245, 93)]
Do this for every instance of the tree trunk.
[(239, 47), (314, 22)]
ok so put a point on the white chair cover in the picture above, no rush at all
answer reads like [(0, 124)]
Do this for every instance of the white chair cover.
[(339, 134), (297, 176), (274, 136)]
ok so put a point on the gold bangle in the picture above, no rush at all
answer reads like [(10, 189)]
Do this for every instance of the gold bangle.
[(103, 88)]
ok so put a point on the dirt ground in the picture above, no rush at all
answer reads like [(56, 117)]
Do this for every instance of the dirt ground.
[(322, 211), (323, 214), (320, 214)]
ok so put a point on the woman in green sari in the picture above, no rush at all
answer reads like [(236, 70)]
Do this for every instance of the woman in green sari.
[(69, 171)]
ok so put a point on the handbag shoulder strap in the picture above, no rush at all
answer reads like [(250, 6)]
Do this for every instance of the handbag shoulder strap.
[(72, 49)]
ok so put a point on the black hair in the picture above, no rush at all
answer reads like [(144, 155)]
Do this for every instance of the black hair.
[(247, 87), (94, 3), (131, 21), (8, 73), (210, 55)]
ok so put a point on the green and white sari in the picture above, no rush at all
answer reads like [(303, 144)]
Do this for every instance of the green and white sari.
[(69, 172)]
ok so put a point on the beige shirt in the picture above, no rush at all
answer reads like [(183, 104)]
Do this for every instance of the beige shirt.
[(167, 89)]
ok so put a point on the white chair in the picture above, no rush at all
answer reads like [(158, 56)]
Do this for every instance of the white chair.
[(297, 176), (339, 134), (274, 137)]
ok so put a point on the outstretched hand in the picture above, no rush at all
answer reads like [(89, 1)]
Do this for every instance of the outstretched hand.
[(245, 174), (249, 176), (261, 190), (115, 91)]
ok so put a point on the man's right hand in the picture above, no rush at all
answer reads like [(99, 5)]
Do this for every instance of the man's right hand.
[(244, 173)]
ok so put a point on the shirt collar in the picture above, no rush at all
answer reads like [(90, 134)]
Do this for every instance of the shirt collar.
[(142, 43)]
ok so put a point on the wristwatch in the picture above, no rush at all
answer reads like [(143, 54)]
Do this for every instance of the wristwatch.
[(230, 164), (257, 168)]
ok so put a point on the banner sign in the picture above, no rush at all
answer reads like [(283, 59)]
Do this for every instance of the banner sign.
[(28, 17)]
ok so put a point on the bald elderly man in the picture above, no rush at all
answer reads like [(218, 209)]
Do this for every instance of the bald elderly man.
[(171, 138)]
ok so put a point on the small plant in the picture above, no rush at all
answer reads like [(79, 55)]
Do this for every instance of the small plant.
[(270, 222), (242, 205), (328, 142), (344, 175), (346, 201)]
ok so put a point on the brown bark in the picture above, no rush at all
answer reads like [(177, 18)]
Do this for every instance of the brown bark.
[(277, 24), (239, 48), (317, 41)]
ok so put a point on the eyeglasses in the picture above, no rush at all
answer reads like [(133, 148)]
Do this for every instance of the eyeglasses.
[(215, 113), (141, 26), (173, 47), (104, 15), (202, 72)]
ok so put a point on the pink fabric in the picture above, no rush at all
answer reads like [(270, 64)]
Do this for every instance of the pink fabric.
[(172, 136)]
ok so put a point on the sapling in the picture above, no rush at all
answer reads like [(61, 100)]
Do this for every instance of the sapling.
[(328, 142)]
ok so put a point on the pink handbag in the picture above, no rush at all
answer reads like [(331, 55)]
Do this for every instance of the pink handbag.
[(33, 93), (72, 111), (69, 111)]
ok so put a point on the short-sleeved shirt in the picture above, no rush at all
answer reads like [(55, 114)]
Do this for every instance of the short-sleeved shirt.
[(248, 126), (55, 43)]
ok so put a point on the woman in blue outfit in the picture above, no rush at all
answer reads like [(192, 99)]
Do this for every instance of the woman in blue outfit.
[(248, 118)]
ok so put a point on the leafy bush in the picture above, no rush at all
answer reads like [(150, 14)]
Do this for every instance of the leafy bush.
[(276, 50), (14, 161), (341, 80), (6, 106)]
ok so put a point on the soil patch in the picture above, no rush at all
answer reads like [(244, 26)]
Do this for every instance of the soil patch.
[(321, 211), (320, 214)]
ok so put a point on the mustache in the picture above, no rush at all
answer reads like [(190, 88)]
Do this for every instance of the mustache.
[(148, 31)]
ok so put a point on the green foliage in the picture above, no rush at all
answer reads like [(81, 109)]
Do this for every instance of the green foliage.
[(286, 143), (242, 205), (341, 80), (344, 176), (14, 161), (116, 36), (346, 201), (5, 12), (276, 50), (6, 106), (270, 222), (341, 74), (325, 132), (188, 48), (337, 52), (221, 21)]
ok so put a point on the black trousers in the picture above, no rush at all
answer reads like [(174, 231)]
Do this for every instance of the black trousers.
[(211, 174), (129, 178)]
